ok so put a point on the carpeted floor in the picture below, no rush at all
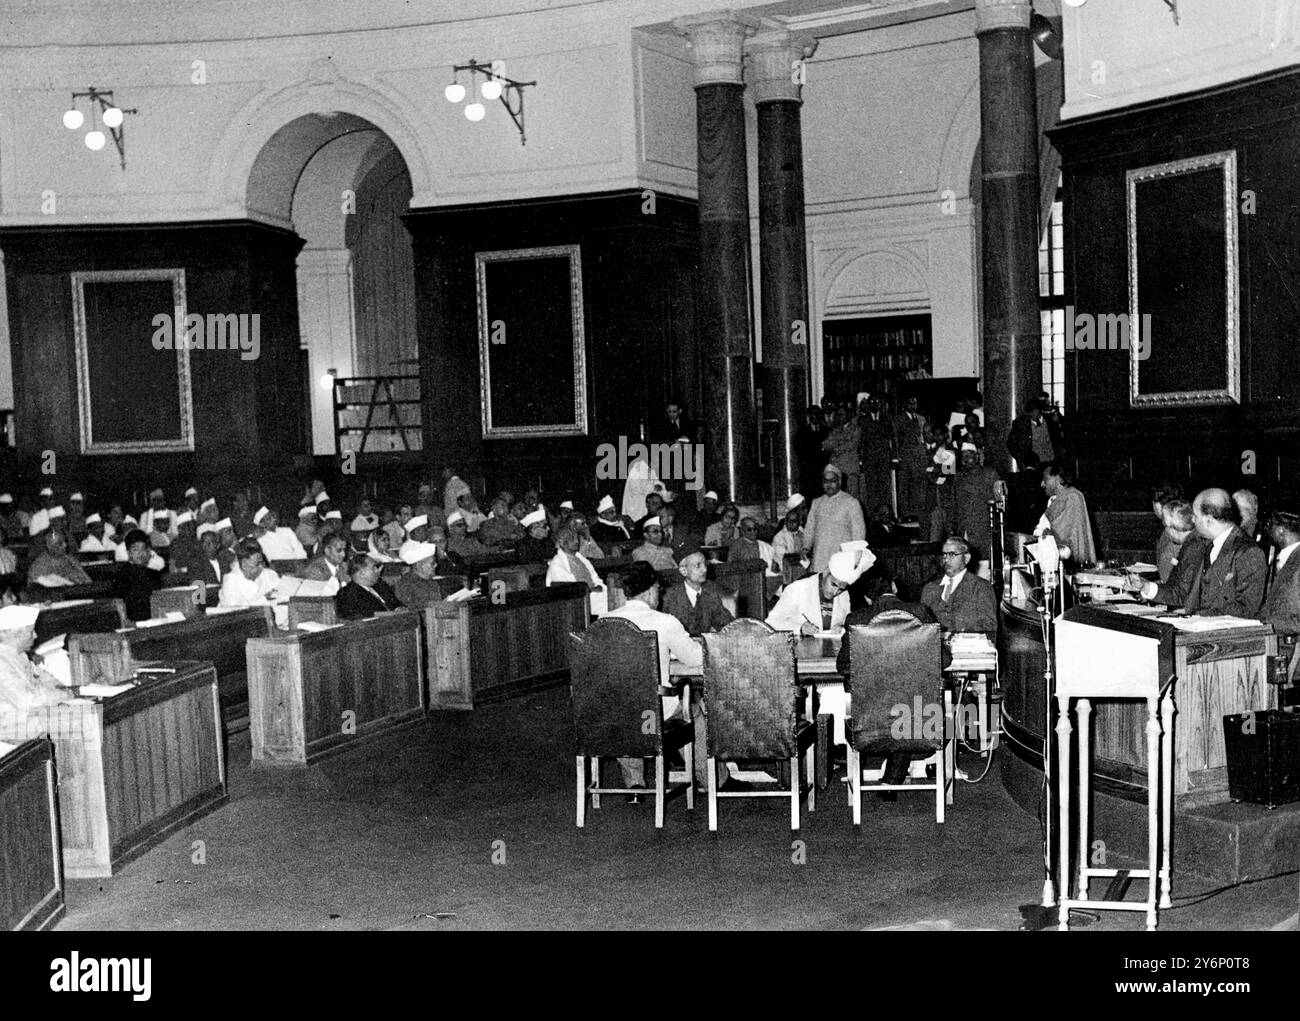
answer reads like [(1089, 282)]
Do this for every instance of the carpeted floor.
[(468, 824)]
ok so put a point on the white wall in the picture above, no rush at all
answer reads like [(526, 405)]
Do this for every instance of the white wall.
[(1119, 52)]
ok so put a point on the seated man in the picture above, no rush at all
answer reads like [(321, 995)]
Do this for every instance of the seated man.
[(308, 530), (204, 565), (23, 685), (587, 546), (820, 602), (695, 601), (654, 503), (653, 551), (55, 562), (678, 539), (789, 540), (1230, 571), (468, 508), (249, 582), (276, 542), (1179, 527), (367, 593), (641, 585), (744, 546), (95, 540), (330, 565), (722, 531), (500, 529), (961, 601), (459, 541), (417, 589), (569, 565), (537, 546), (608, 526), (135, 582)]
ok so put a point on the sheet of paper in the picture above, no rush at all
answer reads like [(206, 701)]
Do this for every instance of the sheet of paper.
[(315, 625), (66, 603), (104, 690), (52, 581), (171, 617), (1137, 609), (462, 595), (835, 632), (1143, 568), (1200, 625)]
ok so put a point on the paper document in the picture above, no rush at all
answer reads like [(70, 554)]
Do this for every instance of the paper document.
[(1200, 625), (462, 595), (103, 690), (52, 581), (315, 625), (66, 603), (1143, 568), (835, 632), (171, 617)]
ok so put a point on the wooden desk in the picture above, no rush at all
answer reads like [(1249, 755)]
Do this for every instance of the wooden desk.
[(318, 609), (218, 638), (312, 694), (133, 768), (31, 880), (478, 649), (1219, 674), (97, 615)]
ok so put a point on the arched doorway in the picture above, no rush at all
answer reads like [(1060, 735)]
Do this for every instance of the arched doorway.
[(341, 184)]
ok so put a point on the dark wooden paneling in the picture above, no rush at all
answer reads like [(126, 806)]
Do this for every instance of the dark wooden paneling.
[(1122, 451), (240, 426), (639, 292), (31, 873)]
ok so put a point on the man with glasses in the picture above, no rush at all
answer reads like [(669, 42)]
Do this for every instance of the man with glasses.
[(653, 551), (961, 600)]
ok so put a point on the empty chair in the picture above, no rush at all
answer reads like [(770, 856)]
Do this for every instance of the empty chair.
[(752, 701), (896, 669), (617, 711)]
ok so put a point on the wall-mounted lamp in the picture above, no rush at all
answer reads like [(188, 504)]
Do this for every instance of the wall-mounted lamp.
[(327, 380), (494, 86), (102, 108)]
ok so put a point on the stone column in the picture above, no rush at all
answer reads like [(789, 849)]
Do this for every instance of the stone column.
[(776, 72), (1009, 210), (723, 325)]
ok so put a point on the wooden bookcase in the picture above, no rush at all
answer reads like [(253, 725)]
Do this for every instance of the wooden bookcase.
[(875, 354)]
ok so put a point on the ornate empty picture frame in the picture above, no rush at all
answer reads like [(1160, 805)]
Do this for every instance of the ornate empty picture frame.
[(133, 397), (532, 348), (1182, 283)]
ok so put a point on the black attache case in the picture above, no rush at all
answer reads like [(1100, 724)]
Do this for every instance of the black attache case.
[(1263, 750)]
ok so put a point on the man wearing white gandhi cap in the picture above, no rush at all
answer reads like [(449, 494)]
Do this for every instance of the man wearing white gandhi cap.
[(23, 685), (819, 604), (608, 526)]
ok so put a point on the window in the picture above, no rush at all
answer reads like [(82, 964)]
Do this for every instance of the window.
[(1051, 295)]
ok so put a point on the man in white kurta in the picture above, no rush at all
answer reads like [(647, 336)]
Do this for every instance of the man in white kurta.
[(835, 518), (569, 564), (642, 480), (820, 602), (276, 542)]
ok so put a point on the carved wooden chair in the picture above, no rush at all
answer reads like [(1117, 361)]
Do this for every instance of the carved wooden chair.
[(895, 665), (752, 711), (618, 711)]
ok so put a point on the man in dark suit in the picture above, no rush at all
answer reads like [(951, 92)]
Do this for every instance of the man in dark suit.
[(1036, 438), (1282, 604), (367, 593), (913, 460), (694, 601), (1233, 569), (678, 538), (961, 600), (203, 563), (877, 451)]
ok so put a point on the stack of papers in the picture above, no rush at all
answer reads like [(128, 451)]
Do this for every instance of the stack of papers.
[(1200, 625), (66, 603)]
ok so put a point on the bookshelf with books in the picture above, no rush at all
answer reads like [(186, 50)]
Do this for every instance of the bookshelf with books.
[(875, 354)]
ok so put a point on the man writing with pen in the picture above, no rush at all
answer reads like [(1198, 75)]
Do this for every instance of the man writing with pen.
[(819, 604)]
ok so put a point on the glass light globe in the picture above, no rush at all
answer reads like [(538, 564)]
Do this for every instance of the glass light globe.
[(112, 117), (73, 119), (454, 92), (475, 111), (491, 89), (94, 140), (327, 381), (1075, 3)]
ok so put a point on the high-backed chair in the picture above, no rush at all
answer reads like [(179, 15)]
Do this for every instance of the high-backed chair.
[(896, 662), (752, 703), (618, 712)]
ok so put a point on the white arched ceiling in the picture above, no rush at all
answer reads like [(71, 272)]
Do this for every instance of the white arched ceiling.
[(318, 209)]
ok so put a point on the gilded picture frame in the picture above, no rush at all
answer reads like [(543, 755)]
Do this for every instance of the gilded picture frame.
[(88, 396), (1194, 278), (521, 324)]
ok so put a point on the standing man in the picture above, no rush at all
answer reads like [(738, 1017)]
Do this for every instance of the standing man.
[(1066, 516), (843, 444), (1036, 439), (808, 450), (877, 454), (913, 460), (1282, 605), (835, 518), (973, 488)]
